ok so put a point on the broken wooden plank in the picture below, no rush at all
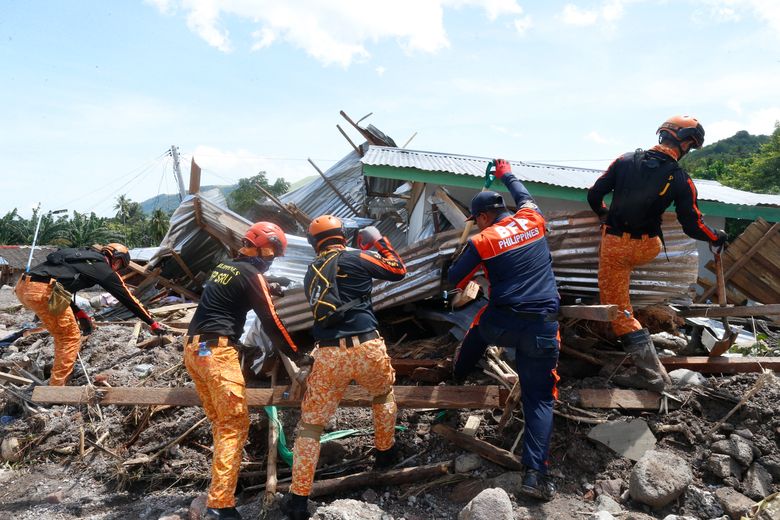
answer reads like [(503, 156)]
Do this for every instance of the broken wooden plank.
[(468, 294), (19, 380), (445, 397), (375, 479), (619, 398), (590, 312), (472, 425), (405, 367), (720, 312), (164, 282), (484, 449), (168, 309), (721, 365)]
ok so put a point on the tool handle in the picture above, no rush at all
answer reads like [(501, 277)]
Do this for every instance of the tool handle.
[(720, 280)]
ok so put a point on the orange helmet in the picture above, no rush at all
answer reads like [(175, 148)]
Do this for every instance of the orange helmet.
[(117, 251), (323, 228), (266, 235), (682, 128)]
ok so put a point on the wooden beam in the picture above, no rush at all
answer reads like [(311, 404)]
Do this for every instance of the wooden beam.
[(184, 267), (741, 311), (194, 177), (335, 190), (445, 397), (484, 449), (721, 365), (617, 398), (405, 367), (5, 376), (164, 282), (354, 146), (590, 312), (449, 208), (743, 259), (375, 479)]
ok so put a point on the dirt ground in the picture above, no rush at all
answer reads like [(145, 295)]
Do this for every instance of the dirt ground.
[(52, 481)]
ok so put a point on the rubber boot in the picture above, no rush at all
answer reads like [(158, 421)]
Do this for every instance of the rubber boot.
[(538, 485), (222, 513), (386, 459), (296, 507), (651, 374)]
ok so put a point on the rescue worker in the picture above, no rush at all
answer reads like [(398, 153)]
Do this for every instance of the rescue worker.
[(644, 184), (211, 353), (349, 348), (41, 291), (512, 251)]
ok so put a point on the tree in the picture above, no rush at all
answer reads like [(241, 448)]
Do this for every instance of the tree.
[(50, 232), (83, 230), (245, 197), (158, 225), (8, 233)]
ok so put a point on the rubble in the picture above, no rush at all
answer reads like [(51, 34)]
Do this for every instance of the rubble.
[(490, 504), (658, 478)]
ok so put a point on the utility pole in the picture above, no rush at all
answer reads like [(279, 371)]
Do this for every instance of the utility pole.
[(177, 171)]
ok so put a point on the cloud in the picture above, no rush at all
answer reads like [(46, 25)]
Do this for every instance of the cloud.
[(523, 24), (757, 122), (333, 32), (241, 163), (767, 11), (380, 71), (609, 11), (595, 137)]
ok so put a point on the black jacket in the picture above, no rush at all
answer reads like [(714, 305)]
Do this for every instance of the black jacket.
[(356, 271), (233, 289), (81, 268), (644, 185)]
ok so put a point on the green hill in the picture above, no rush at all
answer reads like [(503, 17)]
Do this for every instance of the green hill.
[(704, 163), (169, 202)]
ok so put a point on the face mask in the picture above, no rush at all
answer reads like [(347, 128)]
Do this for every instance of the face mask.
[(260, 264)]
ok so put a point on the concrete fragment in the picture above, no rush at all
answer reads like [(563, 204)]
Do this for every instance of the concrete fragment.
[(602, 515), (491, 504), (659, 478), (772, 465), (736, 447), (733, 502), (467, 462), (608, 504), (611, 487), (9, 449), (630, 439), (348, 509), (723, 466), (702, 502), (683, 376), (509, 481), (757, 483)]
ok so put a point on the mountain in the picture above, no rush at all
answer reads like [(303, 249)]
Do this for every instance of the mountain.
[(739, 146), (169, 202)]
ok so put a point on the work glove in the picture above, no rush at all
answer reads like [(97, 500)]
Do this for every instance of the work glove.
[(603, 216), (502, 168), (158, 328), (85, 322), (367, 237), (721, 240)]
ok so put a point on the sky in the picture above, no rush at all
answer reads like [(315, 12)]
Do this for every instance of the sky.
[(94, 93)]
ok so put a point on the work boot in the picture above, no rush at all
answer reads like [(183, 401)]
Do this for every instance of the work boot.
[(222, 513), (386, 459), (538, 485), (650, 373), (296, 507)]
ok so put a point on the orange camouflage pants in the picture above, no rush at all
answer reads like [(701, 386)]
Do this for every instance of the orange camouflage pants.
[(220, 385), (618, 256), (63, 328), (334, 368)]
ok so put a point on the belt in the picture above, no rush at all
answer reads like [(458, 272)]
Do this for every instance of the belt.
[(37, 278), (349, 341), (635, 236), (210, 338), (530, 316)]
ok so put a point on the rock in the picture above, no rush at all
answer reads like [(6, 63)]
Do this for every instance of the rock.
[(683, 376), (491, 504), (723, 466), (197, 507), (659, 478), (55, 498), (143, 370), (702, 502), (757, 483), (733, 502), (467, 462), (464, 491), (170, 517), (736, 447), (745, 434), (348, 509), (9, 449), (510, 481), (772, 465), (6, 475), (610, 487), (678, 517), (602, 515), (369, 495), (630, 439), (608, 504)]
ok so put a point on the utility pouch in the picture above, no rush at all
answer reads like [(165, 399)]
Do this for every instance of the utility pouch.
[(59, 300)]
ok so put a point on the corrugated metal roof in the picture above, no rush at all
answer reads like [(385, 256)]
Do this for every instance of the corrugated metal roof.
[(563, 176), (16, 256)]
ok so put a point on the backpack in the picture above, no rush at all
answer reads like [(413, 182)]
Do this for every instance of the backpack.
[(322, 291), (641, 187), (70, 255)]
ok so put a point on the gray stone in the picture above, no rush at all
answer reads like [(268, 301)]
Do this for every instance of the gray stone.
[(737, 448), (733, 502), (602, 515), (143, 370), (702, 502), (10, 449), (683, 376), (608, 504), (491, 504), (170, 517), (630, 439), (723, 466), (680, 517), (197, 507), (467, 462), (745, 434), (369, 495), (348, 509), (55, 498), (510, 481), (772, 465), (757, 483), (611, 487), (659, 478)]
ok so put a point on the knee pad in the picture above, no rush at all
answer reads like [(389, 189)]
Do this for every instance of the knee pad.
[(385, 398), (311, 431)]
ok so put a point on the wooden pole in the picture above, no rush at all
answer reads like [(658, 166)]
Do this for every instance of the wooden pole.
[(335, 190), (484, 449)]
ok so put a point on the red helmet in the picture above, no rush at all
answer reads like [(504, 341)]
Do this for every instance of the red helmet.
[(682, 128), (117, 251), (324, 228), (267, 235)]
